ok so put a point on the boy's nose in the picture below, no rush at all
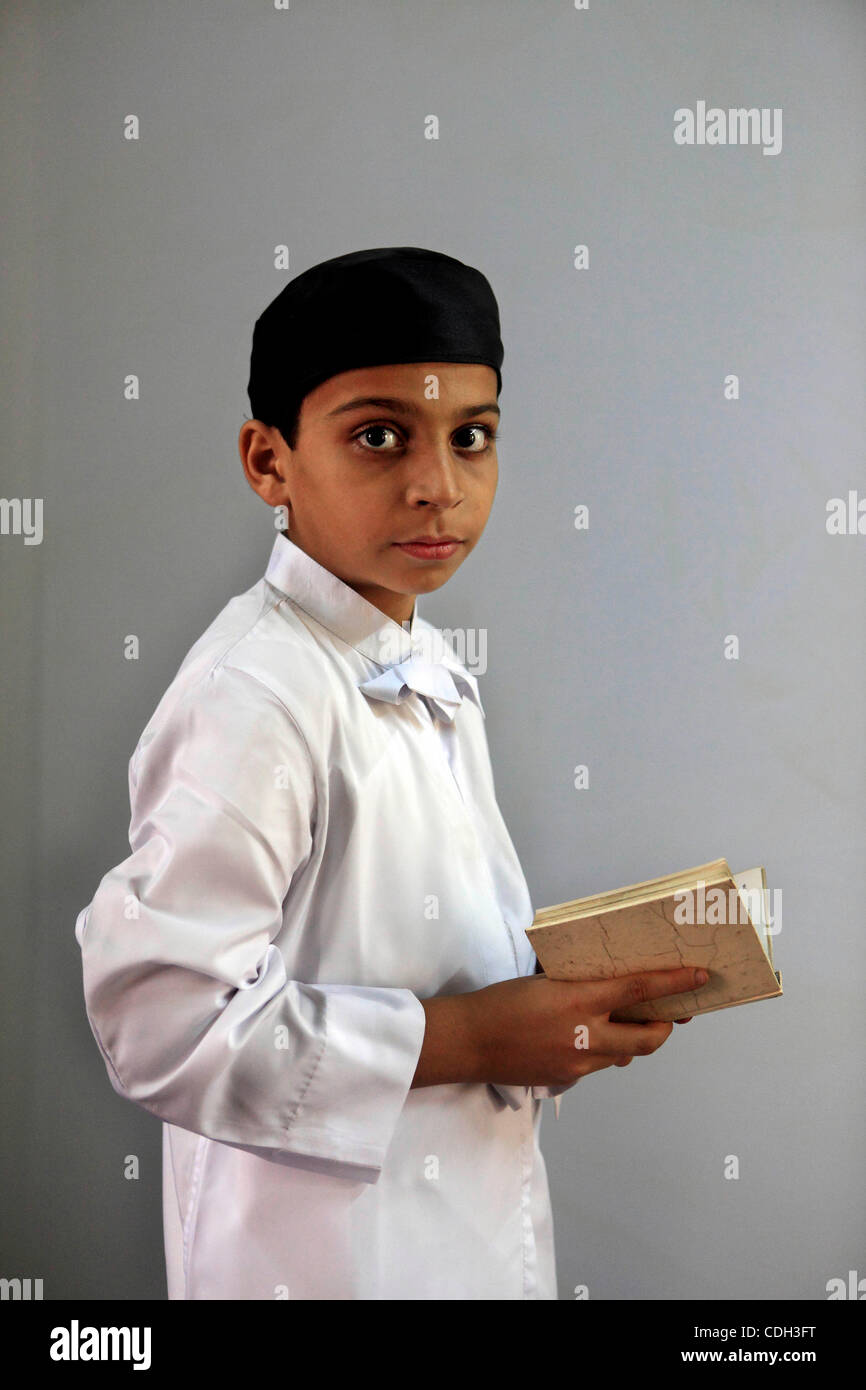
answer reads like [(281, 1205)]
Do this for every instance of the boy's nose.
[(434, 476)]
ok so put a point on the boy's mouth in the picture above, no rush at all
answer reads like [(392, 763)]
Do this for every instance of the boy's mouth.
[(430, 548)]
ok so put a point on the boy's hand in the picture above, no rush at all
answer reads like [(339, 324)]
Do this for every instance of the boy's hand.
[(534, 1031), (539, 970)]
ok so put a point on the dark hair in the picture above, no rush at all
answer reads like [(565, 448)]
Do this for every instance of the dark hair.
[(288, 427)]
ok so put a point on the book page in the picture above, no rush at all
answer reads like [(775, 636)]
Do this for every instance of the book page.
[(752, 885)]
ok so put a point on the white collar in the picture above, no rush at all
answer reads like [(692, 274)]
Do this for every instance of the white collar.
[(353, 619)]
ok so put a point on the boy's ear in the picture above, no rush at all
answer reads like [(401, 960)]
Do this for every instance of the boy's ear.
[(263, 453)]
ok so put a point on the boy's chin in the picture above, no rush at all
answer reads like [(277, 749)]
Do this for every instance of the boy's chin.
[(427, 582)]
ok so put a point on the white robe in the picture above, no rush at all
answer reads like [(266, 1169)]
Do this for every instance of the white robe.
[(308, 863)]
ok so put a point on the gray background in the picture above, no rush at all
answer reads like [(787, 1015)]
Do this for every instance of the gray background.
[(604, 647)]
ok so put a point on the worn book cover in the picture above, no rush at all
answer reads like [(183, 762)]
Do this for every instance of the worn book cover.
[(706, 916)]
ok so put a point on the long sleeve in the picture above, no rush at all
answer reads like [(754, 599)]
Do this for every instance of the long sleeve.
[(186, 991), (515, 1096)]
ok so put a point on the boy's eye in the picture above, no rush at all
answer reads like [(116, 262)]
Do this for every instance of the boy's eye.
[(377, 431), (376, 437), (484, 435)]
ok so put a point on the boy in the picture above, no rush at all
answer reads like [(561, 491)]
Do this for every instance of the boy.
[(313, 967)]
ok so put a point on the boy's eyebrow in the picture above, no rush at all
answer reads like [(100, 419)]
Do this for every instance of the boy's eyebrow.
[(397, 406)]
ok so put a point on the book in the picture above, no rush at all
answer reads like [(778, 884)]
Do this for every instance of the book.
[(705, 916)]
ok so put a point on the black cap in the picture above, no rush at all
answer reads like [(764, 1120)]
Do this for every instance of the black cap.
[(370, 308)]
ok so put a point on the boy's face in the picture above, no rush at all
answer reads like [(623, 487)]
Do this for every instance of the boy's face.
[(365, 477)]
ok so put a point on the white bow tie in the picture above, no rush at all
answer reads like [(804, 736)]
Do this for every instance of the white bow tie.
[(434, 682)]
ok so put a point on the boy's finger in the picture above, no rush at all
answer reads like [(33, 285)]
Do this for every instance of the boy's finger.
[(628, 1039), (604, 995), (684, 1020)]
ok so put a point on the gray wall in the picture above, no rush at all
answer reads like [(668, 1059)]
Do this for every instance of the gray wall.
[(605, 647)]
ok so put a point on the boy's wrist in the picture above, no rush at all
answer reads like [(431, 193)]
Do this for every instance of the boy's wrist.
[(451, 1051), (470, 1020)]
